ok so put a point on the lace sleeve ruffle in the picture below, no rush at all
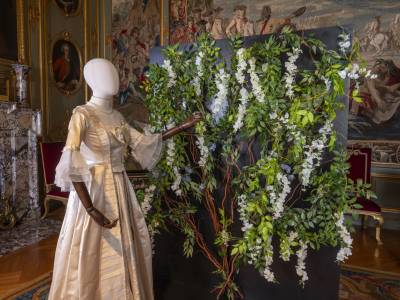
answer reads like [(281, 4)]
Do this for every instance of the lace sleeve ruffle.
[(71, 168), (146, 149)]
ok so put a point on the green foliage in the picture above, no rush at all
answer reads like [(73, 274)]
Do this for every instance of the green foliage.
[(283, 128)]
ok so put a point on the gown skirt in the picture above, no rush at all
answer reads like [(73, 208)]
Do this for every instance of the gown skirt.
[(93, 262)]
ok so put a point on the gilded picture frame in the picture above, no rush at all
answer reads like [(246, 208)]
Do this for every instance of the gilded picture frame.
[(70, 8), (18, 56), (66, 64)]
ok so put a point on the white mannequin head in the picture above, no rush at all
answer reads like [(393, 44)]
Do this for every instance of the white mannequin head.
[(102, 77)]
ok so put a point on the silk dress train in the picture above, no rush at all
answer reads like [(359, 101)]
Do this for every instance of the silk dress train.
[(92, 262)]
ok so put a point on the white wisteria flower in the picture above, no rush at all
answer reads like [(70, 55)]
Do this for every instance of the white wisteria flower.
[(241, 67), (244, 97), (177, 182), (225, 237), (171, 73), (170, 152), (204, 151), (243, 216), (219, 104), (291, 70), (278, 200), (255, 81), (301, 262), (355, 72), (199, 72), (268, 274), (345, 250), (285, 255), (313, 153), (148, 197), (328, 83), (344, 42)]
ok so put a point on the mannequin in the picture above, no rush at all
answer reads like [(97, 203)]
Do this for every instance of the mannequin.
[(102, 77), (104, 249)]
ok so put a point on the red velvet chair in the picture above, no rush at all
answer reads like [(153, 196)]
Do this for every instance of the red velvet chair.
[(360, 168), (51, 153)]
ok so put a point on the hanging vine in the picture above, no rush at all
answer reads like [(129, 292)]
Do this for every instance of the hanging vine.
[(260, 101)]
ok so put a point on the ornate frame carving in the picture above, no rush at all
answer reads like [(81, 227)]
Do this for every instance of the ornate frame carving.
[(385, 153), (7, 77), (20, 36), (76, 13)]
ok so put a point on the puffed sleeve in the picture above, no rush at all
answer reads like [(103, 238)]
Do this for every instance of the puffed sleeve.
[(146, 149), (72, 167)]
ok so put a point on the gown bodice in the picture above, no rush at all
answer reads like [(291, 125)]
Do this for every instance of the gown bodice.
[(98, 138)]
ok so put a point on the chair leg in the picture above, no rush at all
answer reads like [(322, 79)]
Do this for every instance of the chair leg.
[(46, 208), (379, 222), (363, 221)]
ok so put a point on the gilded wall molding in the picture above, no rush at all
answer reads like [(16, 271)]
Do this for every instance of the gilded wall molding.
[(21, 32), (65, 9), (385, 153)]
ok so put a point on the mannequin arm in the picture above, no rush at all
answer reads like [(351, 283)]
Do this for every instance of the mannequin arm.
[(98, 217), (188, 123)]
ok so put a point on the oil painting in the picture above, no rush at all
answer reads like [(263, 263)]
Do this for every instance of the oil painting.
[(8, 30), (376, 26), (66, 66)]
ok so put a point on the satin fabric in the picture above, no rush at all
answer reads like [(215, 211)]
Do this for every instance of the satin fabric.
[(93, 262)]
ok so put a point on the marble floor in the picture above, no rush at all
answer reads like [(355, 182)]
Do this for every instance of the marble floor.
[(27, 233)]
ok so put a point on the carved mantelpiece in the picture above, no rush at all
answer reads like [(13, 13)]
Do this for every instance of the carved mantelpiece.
[(19, 128)]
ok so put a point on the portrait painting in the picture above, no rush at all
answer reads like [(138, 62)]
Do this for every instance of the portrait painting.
[(66, 66), (69, 7), (8, 30), (135, 30), (376, 26)]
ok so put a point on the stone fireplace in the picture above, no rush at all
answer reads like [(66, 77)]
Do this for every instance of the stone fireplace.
[(19, 129)]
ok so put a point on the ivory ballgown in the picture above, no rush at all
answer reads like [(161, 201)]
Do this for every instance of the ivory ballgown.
[(92, 262)]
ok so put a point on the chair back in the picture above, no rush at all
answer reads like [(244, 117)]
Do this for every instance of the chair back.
[(51, 154), (360, 164)]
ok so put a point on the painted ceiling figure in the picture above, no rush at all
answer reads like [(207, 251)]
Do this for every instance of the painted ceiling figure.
[(276, 24), (375, 38), (381, 95), (394, 29), (374, 26), (217, 32), (237, 26), (262, 23)]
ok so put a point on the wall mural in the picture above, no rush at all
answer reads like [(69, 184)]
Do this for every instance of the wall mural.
[(377, 27), (135, 30)]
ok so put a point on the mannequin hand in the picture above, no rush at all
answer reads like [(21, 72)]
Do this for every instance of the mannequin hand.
[(193, 119), (100, 219)]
